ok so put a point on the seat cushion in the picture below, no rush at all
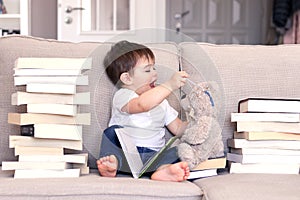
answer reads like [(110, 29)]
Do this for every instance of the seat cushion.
[(93, 186), (251, 186)]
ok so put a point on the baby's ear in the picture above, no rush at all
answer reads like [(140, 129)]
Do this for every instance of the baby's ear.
[(125, 78)]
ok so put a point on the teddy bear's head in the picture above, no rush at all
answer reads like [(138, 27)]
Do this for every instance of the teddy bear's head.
[(201, 101)]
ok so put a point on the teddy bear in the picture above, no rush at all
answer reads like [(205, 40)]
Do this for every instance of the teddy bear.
[(202, 138)]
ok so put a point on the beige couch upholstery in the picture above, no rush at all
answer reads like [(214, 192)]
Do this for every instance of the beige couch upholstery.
[(240, 71)]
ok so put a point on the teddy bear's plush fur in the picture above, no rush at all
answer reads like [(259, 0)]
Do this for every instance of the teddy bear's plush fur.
[(202, 139)]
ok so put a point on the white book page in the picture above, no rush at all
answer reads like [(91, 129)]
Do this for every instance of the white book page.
[(131, 153)]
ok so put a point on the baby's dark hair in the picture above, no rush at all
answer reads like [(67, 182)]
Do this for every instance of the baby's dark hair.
[(122, 57)]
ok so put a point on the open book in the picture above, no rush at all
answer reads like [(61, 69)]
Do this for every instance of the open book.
[(132, 155)]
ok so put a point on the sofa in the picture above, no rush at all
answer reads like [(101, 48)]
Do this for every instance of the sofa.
[(241, 71)]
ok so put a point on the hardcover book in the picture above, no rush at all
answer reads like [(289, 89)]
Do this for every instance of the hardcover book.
[(44, 173), (269, 105), (59, 109), (265, 168), (75, 80), (21, 98), (277, 144), (28, 150), (255, 126), (252, 135), (53, 131), (248, 158), (265, 117), (53, 63), (39, 118), (46, 72), (17, 140)]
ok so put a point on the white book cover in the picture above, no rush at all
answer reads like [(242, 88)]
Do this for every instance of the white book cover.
[(31, 173), (59, 109), (68, 158), (277, 144), (45, 151), (248, 158), (75, 80), (265, 151), (39, 118), (51, 88), (14, 165), (269, 105), (58, 131), (264, 168), (46, 72), (17, 140), (265, 117), (53, 63), (202, 173), (268, 127), (21, 98)]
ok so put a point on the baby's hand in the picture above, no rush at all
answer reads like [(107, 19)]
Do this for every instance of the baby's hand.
[(177, 80)]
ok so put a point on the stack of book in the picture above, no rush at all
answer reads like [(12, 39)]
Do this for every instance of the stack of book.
[(267, 138), (52, 122)]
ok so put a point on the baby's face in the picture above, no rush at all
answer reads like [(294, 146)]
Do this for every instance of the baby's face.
[(144, 75)]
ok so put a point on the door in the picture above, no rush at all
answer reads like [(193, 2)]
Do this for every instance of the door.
[(220, 21), (100, 20)]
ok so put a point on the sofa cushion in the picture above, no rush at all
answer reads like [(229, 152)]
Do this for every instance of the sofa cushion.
[(101, 89), (93, 186), (250, 187)]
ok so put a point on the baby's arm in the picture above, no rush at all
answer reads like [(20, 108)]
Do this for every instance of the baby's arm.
[(177, 127), (155, 96)]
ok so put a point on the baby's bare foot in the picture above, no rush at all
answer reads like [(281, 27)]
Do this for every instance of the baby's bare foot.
[(173, 172), (107, 166)]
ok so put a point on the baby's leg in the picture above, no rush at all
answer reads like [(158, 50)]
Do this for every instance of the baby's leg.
[(107, 166), (172, 172)]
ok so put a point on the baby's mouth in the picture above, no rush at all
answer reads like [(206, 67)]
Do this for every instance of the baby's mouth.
[(152, 84)]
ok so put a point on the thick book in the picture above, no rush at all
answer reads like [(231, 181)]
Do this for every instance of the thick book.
[(53, 131), (45, 151), (46, 72), (68, 158), (212, 163), (21, 98), (248, 158), (39, 118), (268, 127), (59, 109), (75, 80), (17, 140), (277, 144), (45, 173), (265, 151), (196, 174), (264, 168), (252, 135), (51, 88), (53, 63), (265, 117), (269, 105), (14, 165), (132, 155)]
